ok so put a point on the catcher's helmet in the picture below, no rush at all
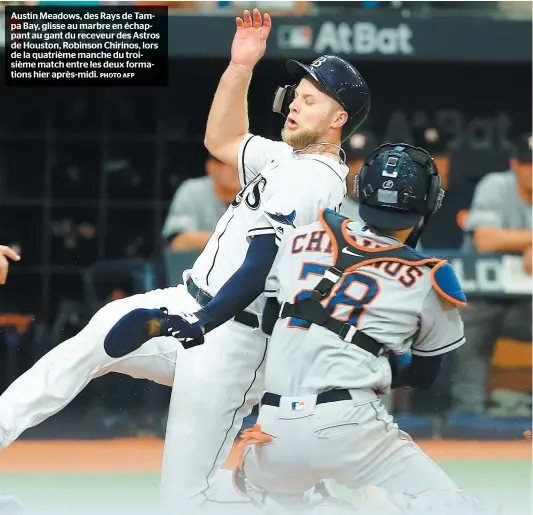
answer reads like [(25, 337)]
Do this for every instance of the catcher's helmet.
[(397, 185), (339, 79)]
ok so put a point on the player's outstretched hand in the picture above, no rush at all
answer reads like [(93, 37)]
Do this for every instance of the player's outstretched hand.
[(186, 328), (249, 43), (6, 252), (138, 326)]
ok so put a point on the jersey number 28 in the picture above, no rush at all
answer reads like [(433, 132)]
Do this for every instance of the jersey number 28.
[(338, 296)]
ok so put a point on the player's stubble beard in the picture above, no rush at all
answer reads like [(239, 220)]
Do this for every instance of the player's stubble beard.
[(300, 138)]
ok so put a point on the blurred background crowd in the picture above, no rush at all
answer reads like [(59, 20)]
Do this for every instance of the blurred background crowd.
[(110, 192)]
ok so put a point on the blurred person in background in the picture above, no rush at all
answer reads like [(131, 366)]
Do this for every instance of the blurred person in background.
[(511, 9), (436, 144), (499, 221), (6, 252), (356, 148), (198, 204)]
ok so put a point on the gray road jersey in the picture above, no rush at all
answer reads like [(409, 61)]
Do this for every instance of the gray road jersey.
[(195, 207), (497, 204), (394, 303)]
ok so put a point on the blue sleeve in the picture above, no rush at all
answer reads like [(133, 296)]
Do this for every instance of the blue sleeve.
[(420, 373), (244, 286)]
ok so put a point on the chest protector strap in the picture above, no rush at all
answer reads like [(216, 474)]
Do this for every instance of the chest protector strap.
[(347, 256)]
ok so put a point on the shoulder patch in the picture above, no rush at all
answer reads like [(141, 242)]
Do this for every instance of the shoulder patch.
[(446, 284), (332, 212), (283, 219)]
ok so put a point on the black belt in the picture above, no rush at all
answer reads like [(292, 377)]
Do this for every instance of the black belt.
[(273, 399), (313, 312), (203, 298)]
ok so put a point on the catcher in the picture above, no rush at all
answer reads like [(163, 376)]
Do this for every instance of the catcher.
[(343, 298)]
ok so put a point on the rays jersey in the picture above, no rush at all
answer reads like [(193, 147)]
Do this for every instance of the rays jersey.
[(281, 190), (397, 304)]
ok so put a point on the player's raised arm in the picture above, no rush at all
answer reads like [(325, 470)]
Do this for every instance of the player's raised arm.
[(227, 123)]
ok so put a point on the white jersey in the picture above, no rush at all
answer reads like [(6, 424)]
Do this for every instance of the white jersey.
[(281, 190), (394, 303)]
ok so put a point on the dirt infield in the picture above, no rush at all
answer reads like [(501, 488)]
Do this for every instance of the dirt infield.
[(140, 455)]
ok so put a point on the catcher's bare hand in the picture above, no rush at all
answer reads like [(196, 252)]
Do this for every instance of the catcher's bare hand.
[(6, 252), (249, 43)]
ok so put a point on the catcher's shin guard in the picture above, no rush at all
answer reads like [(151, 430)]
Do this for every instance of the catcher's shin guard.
[(239, 477), (258, 497)]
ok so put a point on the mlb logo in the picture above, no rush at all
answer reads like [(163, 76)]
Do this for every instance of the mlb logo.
[(297, 406), (295, 37)]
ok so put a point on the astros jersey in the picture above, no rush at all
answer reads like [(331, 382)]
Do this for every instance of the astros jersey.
[(281, 190), (394, 303)]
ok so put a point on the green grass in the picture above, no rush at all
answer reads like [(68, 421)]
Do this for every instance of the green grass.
[(507, 482)]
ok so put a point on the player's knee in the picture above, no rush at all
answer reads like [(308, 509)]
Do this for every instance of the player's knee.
[(108, 315)]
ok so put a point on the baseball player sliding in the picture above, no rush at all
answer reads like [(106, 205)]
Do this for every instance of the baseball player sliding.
[(215, 385), (342, 296)]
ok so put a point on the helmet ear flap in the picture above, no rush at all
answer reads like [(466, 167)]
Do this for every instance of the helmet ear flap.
[(283, 99), (361, 175), (357, 182), (435, 194)]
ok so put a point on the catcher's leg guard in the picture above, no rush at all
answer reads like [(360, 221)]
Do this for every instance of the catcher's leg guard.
[(322, 489), (239, 477), (251, 436), (258, 497)]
